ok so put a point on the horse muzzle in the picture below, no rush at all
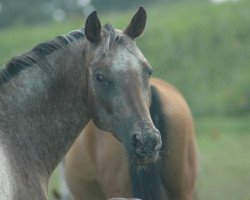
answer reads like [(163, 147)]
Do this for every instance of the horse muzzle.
[(145, 147)]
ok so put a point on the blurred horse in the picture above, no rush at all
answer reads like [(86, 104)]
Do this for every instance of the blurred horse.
[(49, 94), (97, 166)]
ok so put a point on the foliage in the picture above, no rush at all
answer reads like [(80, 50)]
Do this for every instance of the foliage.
[(17, 40), (120, 4), (202, 48), (30, 12)]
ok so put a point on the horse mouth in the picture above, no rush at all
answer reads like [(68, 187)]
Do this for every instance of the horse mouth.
[(145, 161)]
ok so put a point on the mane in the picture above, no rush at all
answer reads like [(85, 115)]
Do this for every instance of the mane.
[(147, 183), (37, 55), (111, 36)]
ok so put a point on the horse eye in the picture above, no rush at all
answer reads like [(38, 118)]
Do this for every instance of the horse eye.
[(150, 73), (99, 78)]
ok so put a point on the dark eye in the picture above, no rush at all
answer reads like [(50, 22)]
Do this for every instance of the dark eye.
[(101, 79), (150, 73)]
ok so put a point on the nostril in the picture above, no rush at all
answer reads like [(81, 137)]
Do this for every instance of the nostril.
[(139, 148), (134, 140)]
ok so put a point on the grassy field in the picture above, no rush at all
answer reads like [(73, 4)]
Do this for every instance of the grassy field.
[(200, 47), (204, 50), (224, 158)]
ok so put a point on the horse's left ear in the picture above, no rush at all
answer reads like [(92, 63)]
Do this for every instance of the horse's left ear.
[(93, 28), (137, 24)]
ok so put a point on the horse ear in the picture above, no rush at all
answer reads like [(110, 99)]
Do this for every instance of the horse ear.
[(137, 24), (93, 28)]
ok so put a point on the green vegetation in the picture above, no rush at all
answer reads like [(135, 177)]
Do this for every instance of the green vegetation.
[(17, 40), (204, 50), (47, 11), (224, 158), (200, 47)]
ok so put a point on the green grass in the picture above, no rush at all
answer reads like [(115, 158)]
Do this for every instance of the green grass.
[(204, 50), (200, 47), (224, 158), (224, 167), (17, 40)]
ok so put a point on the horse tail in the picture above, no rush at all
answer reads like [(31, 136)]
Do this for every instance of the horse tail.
[(147, 182)]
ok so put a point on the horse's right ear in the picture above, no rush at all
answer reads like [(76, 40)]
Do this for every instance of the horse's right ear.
[(93, 28), (137, 24)]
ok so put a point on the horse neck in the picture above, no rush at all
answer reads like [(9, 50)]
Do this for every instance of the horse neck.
[(43, 110)]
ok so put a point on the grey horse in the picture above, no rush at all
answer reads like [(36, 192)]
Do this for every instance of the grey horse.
[(50, 93)]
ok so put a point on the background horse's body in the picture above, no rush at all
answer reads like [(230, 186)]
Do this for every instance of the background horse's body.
[(97, 165)]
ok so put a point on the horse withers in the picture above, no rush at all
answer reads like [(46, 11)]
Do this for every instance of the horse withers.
[(49, 94), (97, 166)]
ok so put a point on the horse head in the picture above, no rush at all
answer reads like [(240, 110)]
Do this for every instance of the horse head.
[(118, 90)]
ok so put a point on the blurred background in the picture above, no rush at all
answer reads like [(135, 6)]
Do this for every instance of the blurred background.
[(200, 46)]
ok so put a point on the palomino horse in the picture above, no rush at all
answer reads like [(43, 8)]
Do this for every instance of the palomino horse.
[(49, 94), (97, 166)]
